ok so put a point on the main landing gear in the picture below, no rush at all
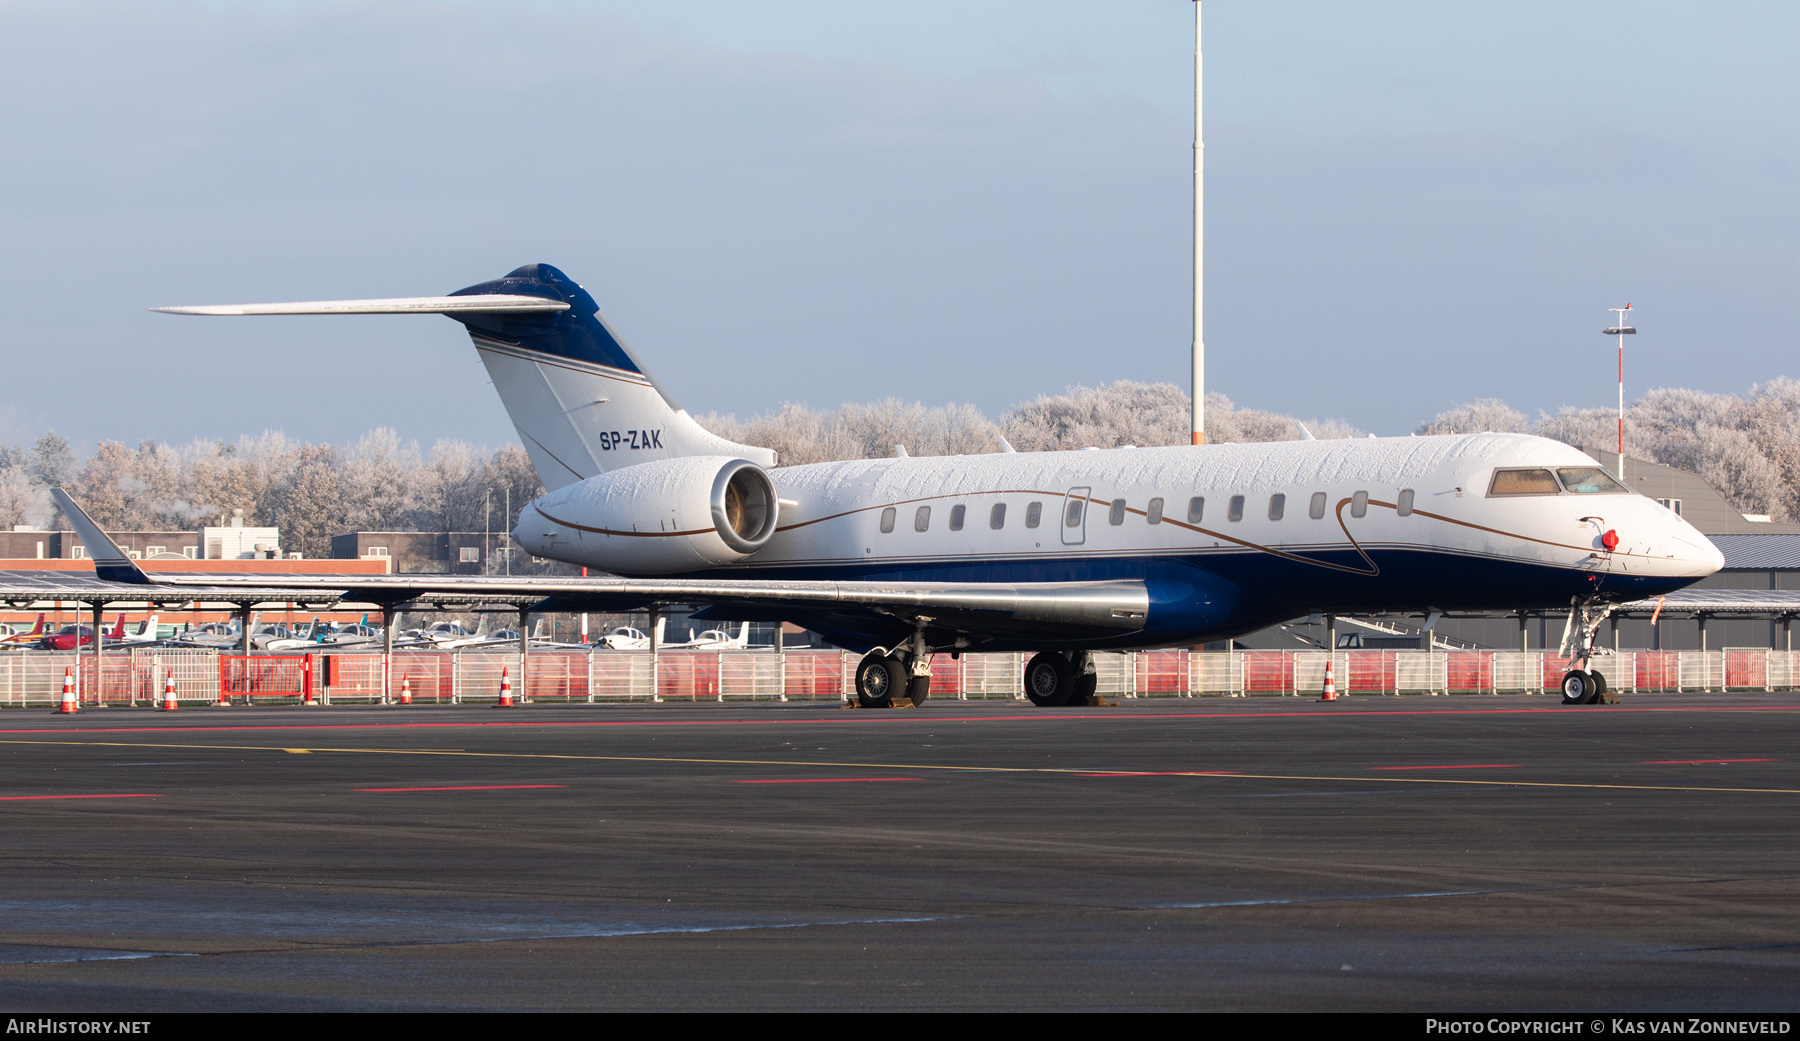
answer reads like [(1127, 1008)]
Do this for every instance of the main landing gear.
[(1057, 678), (884, 678)]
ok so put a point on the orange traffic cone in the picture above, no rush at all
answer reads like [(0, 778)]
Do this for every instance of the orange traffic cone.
[(1330, 687), (68, 698), (168, 704), (406, 690), (505, 689)]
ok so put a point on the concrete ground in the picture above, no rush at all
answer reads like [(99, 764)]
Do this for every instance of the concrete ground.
[(1430, 854)]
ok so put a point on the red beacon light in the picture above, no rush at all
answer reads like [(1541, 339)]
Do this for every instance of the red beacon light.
[(1610, 540)]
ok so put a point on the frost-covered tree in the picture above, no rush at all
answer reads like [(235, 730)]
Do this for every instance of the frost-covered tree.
[(308, 504), (379, 472), (1481, 416)]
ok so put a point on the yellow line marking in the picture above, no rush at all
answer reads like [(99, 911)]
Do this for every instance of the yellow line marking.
[(298, 751), (1077, 771)]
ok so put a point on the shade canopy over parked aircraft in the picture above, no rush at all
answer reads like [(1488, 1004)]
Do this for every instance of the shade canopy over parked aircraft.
[(1059, 553)]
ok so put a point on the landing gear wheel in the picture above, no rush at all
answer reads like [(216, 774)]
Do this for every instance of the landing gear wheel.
[(1600, 697), (1578, 687), (1085, 686), (878, 679), (1049, 680), (918, 688)]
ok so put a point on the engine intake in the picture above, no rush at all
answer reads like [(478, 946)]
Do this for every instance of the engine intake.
[(659, 517), (744, 505)]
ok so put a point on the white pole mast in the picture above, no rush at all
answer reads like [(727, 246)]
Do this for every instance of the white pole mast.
[(1620, 311), (1199, 404)]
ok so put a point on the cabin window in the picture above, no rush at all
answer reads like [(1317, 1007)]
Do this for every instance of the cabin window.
[(1587, 480), (1196, 507), (997, 516), (887, 520), (1154, 513), (1116, 515), (922, 519), (1072, 517), (1034, 514), (1359, 504), (1317, 510), (957, 513), (1277, 505), (1523, 482), (1404, 505), (1234, 510)]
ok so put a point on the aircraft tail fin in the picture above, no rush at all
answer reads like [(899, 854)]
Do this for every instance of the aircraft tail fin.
[(581, 400)]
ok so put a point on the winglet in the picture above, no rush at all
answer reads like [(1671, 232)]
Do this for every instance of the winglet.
[(110, 562)]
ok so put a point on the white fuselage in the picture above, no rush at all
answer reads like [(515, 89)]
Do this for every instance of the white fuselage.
[(1294, 526)]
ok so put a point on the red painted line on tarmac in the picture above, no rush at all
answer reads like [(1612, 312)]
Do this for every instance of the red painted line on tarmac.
[(825, 780), (1163, 773), (465, 788), (121, 795), (1458, 766), (912, 718), (1691, 762)]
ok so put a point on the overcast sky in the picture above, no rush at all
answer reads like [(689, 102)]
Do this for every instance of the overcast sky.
[(1409, 205)]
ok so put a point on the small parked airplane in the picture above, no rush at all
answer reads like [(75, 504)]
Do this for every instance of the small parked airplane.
[(74, 635), (714, 640), (146, 633), (26, 637), (625, 638)]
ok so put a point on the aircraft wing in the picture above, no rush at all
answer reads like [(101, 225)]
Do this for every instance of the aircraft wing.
[(1068, 608)]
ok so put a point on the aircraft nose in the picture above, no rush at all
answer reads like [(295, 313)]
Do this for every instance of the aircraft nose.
[(1698, 551)]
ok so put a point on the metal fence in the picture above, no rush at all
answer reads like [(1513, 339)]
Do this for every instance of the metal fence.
[(32, 678)]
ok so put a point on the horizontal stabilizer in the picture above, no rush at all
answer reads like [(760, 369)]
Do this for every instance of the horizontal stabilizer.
[(491, 303)]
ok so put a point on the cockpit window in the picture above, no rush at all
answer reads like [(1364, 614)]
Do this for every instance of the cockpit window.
[(1587, 480), (1524, 482)]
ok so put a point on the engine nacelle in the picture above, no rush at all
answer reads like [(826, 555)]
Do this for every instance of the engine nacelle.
[(660, 517)]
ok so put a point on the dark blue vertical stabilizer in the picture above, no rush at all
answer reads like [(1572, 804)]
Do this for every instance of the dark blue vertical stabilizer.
[(578, 333)]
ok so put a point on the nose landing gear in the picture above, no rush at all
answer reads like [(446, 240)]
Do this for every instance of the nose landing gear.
[(1584, 685)]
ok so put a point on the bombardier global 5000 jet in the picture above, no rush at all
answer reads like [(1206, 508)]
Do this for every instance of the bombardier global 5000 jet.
[(1057, 553)]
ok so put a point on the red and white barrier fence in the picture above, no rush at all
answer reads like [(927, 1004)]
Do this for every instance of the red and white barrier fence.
[(201, 677)]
